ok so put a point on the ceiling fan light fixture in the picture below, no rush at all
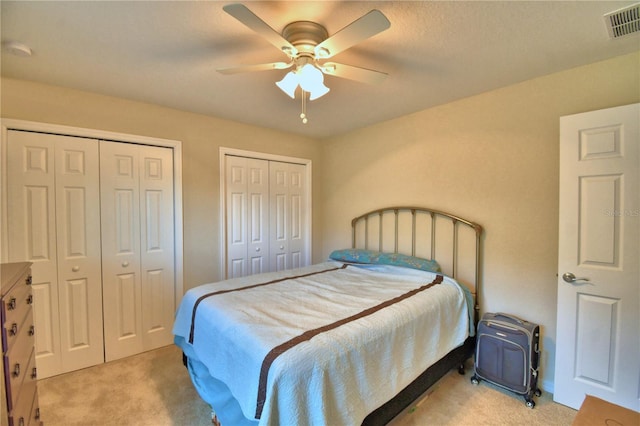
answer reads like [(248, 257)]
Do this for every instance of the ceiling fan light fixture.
[(289, 84), (318, 92), (311, 80), (308, 77)]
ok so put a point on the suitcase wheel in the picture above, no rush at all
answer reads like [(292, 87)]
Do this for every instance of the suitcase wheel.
[(475, 380), (538, 392), (530, 403)]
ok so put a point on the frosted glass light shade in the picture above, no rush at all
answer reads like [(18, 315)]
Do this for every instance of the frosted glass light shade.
[(318, 91), (289, 84), (312, 81)]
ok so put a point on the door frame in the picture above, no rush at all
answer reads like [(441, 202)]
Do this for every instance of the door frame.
[(223, 152), (7, 124)]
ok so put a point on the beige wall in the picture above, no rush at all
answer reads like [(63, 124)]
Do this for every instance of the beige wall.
[(201, 138), (492, 158)]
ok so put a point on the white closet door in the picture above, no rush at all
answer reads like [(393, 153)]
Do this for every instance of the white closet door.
[(247, 199), (258, 215), (137, 247), (298, 222), (157, 245), (79, 261), (287, 215), (53, 221), (121, 282)]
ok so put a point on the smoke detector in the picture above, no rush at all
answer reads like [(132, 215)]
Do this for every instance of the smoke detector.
[(623, 22)]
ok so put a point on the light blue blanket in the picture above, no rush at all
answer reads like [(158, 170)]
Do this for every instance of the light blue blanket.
[(339, 375)]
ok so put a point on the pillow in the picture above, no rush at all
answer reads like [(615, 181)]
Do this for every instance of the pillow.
[(397, 259), (380, 258), (355, 256)]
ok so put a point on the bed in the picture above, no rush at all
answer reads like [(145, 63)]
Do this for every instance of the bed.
[(353, 340)]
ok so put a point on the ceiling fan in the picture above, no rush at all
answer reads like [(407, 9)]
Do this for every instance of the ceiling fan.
[(308, 46)]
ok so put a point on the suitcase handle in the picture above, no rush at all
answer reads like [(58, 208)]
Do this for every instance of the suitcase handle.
[(502, 314)]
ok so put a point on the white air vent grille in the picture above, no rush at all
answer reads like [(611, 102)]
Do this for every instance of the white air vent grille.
[(624, 21)]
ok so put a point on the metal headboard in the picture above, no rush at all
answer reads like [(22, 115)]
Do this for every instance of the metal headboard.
[(435, 215)]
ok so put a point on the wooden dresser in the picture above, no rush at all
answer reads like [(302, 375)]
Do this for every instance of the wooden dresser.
[(19, 387)]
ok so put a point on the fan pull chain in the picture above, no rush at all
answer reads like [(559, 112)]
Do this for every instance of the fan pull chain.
[(303, 114)]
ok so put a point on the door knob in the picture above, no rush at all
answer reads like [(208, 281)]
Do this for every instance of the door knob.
[(571, 278), (125, 264), (75, 268)]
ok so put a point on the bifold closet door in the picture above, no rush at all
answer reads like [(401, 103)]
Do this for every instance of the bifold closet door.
[(137, 247), (287, 218), (53, 220), (247, 200)]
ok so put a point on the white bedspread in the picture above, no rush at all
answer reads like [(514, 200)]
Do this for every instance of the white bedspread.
[(340, 375)]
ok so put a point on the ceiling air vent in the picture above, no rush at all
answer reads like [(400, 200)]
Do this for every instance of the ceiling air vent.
[(623, 22)]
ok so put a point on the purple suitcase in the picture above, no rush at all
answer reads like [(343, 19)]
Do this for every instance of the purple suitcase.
[(507, 354)]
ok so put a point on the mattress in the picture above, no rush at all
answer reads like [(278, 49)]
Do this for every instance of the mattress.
[(325, 344)]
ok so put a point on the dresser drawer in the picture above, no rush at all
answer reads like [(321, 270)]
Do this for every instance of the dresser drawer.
[(19, 363), (12, 329), (15, 305), (23, 409)]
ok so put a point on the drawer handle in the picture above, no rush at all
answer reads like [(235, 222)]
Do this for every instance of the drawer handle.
[(29, 280), (11, 305), (14, 329), (16, 370), (32, 331), (34, 373), (30, 299)]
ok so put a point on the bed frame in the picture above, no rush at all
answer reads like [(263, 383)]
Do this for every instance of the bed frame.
[(427, 233)]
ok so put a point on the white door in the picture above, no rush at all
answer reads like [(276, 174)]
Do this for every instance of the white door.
[(598, 316), (54, 222), (247, 221), (137, 247), (287, 215)]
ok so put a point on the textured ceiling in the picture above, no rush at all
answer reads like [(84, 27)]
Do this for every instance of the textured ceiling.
[(166, 53)]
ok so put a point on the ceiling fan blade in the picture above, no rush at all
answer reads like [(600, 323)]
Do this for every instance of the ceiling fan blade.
[(362, 28), (257, 67), (248, 18), (362, 75)]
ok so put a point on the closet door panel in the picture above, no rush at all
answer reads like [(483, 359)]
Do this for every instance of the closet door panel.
[(237, 216), (31, 229), (79, 253), (279, 215), (121, 282), (157, 245), (258, 215), (297, 240), (247, 218)]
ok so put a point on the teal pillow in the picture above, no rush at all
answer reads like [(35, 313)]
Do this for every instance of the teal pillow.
[(355, 256), (397, 259), (380, 258)]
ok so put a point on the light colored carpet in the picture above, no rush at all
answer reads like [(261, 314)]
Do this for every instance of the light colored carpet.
[(154, 389)]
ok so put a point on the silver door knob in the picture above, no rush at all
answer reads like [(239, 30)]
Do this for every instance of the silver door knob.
[(571, 278), (257, 248)]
